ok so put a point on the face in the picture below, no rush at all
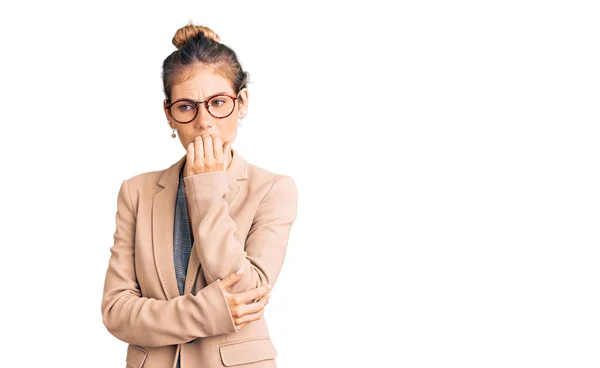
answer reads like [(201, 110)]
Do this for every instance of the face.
[(204, 83)]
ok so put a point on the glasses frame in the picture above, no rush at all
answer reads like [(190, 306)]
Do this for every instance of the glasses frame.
[(197, 105)]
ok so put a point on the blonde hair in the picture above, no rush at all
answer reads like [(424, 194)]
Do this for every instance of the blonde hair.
[(190, 30), (200, 45)]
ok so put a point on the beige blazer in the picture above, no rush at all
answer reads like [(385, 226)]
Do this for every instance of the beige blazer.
[(240, 218)]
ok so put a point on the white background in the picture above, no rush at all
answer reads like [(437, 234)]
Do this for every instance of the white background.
[(446, 156)]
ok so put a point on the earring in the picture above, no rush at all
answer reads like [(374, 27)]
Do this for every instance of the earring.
[(240, 122), (173, 134)]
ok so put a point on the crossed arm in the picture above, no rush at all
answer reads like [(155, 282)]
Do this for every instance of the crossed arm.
[(144, 321)]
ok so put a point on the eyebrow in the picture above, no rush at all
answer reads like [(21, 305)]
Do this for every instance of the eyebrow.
[(208, 98)]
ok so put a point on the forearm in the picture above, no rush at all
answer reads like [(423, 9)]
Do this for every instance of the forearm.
[(215, 240), (151, 322)]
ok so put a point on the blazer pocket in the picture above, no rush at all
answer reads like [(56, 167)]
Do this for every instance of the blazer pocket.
[(247, 351), (136, 356)]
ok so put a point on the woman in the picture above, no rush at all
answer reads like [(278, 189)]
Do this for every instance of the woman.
[(197, 244)]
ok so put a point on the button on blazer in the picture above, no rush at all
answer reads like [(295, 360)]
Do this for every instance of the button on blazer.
[(241, 217)]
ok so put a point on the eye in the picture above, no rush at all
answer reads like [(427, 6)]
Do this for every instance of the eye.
[(216, 102), (184, 106)]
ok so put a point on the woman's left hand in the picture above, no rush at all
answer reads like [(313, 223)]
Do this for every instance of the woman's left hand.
[(206, 154)]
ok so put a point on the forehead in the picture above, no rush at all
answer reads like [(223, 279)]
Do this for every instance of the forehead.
[(198, 82)]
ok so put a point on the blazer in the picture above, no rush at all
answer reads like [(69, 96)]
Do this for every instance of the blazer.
[(241, 217)]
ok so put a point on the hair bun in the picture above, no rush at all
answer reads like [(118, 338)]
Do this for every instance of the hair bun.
[(190, 30)]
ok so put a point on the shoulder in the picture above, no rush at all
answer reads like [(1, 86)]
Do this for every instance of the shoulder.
[(143, 185), (145, 179), (153, 180)]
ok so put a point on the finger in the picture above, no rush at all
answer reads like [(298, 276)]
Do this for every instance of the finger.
[(249, 295), (190, 156), (239, 327), (263, 299), (199, 147), (218, 149), (252, 307), (240, 310), (248, 318), (228, 281), (209, 155)]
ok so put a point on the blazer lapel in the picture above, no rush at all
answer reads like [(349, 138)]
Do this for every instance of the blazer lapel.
[(163, 218)]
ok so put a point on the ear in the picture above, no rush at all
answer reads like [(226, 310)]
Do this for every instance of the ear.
[(243, 101), (166, 113)]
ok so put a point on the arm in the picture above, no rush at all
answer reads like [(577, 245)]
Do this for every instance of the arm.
[(219, 252), (150, 322)]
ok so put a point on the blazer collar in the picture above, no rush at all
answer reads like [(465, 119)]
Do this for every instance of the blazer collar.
[(237, 170)]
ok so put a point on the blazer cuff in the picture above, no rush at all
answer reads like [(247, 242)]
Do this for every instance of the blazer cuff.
[(222, 316), (207, 185)]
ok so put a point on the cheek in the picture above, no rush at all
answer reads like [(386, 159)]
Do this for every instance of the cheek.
[(228, 128), (186, 137)]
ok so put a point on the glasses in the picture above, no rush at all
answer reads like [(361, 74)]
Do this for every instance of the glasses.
[(185, 110)]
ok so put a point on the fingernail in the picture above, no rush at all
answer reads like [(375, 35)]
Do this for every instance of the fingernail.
[(241, 270), (269, 285)]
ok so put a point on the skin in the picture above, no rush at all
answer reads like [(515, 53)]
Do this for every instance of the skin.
[(208, 142), (207, 139), (242, 308)]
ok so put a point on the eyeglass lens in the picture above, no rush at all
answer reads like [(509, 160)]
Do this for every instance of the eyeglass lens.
[(218, 106)]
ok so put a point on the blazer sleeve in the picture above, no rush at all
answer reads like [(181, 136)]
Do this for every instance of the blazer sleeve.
[(219, 251), (144, 321)]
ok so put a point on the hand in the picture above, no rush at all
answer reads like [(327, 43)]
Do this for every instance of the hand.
[(206, 154), (242, 312)]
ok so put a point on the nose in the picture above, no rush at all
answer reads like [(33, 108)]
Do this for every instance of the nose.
[(204, 119)]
